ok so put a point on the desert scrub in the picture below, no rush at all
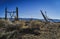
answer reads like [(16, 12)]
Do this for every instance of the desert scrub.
[(30, 36), (35, 24), (1, 23)]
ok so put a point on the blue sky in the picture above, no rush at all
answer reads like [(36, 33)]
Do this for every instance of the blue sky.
[(31, 8)]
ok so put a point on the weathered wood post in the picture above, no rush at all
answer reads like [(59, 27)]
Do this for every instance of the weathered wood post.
[(17, 13), (5, 13)]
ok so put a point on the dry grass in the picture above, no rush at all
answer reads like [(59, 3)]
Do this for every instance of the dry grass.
[(29, 30)]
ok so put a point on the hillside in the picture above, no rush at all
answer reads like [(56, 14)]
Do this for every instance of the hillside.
[(33, 29)]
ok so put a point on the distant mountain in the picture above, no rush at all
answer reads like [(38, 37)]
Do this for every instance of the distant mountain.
[(52, 20), (56, 20), (27, 19)]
